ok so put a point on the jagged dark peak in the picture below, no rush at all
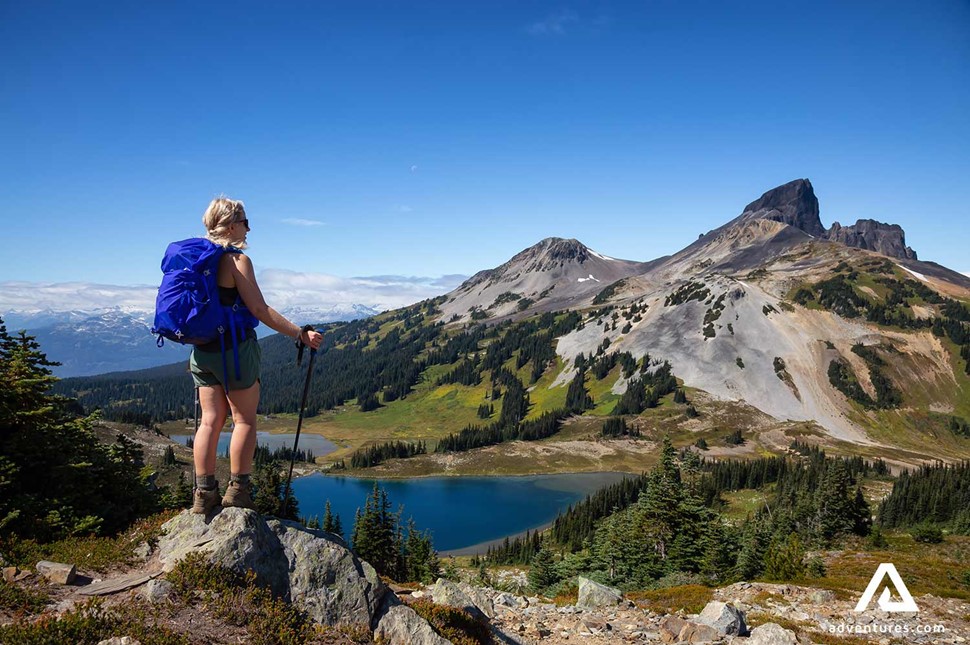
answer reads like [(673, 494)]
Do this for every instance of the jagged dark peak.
[(888, 239), (793, 203), (553, 250)]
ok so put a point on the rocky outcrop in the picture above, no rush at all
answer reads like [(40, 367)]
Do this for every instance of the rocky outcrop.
[(312, 569), (888, 239), (793, 203)]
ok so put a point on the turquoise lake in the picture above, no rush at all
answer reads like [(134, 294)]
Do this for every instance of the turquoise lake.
[(312, 442), (460, 512)]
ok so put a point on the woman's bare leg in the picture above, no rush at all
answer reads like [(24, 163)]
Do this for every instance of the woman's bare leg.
[(243, 404), (214, 409)]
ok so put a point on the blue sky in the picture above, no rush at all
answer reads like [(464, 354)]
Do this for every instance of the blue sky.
[(425, 139)]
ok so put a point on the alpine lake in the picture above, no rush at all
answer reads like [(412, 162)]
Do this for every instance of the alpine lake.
[(463, 514)]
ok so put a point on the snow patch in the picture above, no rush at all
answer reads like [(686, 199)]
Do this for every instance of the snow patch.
[(587, 279), (918, 275), (602, 257)]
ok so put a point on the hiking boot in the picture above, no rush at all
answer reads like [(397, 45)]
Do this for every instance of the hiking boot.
[(238, 495), (204, 500)]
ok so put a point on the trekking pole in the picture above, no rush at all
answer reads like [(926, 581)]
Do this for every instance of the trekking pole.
[(299, 423)]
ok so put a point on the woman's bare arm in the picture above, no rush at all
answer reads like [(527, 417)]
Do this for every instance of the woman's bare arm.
[(245, 279)]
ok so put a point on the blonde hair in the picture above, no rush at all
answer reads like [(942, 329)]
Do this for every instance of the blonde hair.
[(219, 216)]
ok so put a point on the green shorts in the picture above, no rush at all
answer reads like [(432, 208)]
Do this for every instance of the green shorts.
[(207, 370)]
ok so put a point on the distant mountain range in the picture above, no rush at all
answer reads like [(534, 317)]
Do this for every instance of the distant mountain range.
[(119, 338)]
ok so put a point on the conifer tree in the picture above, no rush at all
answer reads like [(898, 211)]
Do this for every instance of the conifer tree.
[(785, 558), (659, 506), (836, 512), (57, 478), (577, 396), (543, 571)]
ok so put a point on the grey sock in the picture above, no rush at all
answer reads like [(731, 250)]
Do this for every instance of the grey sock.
[(205, 482), (242, 480)]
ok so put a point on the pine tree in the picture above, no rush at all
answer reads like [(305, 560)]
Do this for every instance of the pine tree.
[(659, 506), (861, 515), (577, 396), (836, 512), (785, 559), (331, 522), (754, 544), (543, 571), (57, 478)]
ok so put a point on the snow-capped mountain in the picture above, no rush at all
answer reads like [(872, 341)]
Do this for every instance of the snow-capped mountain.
[(119, 338)]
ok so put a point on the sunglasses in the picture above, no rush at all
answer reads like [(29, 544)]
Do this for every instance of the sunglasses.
[(244, 222)]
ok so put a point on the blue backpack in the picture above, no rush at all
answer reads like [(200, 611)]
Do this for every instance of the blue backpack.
[(187, 309)]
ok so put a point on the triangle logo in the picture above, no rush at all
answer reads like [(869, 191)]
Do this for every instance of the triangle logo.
[(906, 604)]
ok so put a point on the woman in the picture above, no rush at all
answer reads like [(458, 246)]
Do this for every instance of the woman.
[(227, 225)]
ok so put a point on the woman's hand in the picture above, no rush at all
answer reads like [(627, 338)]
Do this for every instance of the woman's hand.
[(311, 338)]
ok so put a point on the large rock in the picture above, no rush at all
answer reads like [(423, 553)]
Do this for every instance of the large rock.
[(670, 628), (725, 618), (698, 633), (310, 568), (401, 625), (326, 579), (593, 595), (446, 592), (57, 572), (772, 634)]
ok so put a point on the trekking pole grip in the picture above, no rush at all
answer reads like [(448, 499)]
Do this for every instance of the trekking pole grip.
[(300, 346)]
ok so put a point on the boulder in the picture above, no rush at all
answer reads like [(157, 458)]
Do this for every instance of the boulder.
[(698, 633), (670, 628), (480, 598), (156, 590), (446, 592), (772, 634), (310, 568), (401, 625), (326, 579), (725, 618), (593, 595), (56, 572), (120, 640)]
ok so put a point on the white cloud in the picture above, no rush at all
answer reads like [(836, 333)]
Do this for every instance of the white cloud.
[(555, 24), (966, 273), (292, 288), (296, 221), (280, 287), (69, 296)]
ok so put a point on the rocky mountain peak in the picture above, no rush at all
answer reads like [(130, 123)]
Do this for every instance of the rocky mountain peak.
[(551, 252), (888, 239), (793, 203)]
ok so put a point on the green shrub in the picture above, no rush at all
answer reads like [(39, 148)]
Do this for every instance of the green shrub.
[(91, 622), (927, 534), (17, 599), (238, 600)]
